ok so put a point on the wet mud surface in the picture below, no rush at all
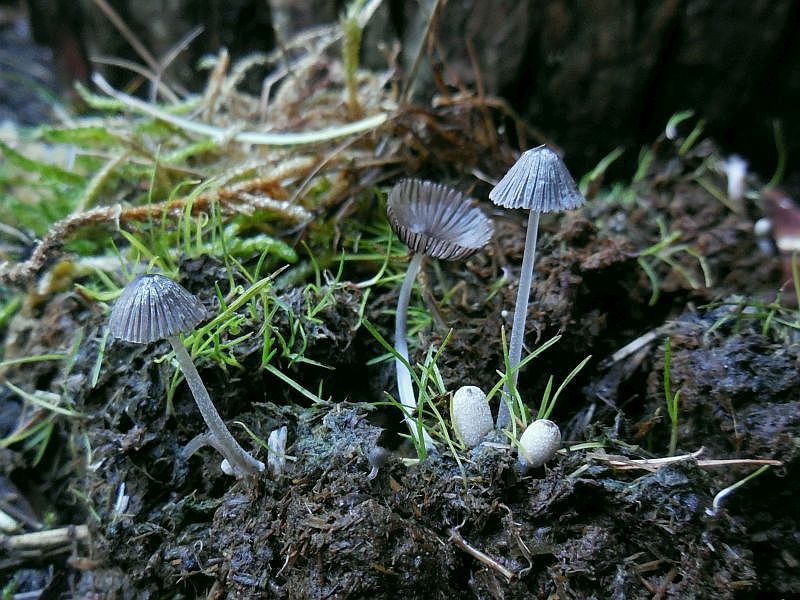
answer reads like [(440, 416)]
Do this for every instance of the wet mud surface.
[(586, 525)]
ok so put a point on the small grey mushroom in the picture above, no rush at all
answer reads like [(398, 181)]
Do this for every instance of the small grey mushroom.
[(436, 220), (540, 182), (152, 308), (470, 415), (440, 222), (539, 443), (376, 457)]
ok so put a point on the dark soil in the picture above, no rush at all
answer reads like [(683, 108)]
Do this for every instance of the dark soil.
[(581, 527)]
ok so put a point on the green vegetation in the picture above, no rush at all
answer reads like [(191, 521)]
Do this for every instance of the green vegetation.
[(549, 402), (780, 149), (774, 320), (430, 387), (519, 412), (672, 400), (41, 409), (665, 251)]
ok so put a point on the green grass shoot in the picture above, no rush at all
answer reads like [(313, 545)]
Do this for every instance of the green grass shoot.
[(672, 400)]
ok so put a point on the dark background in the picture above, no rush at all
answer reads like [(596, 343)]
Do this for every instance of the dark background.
[(591, 75)]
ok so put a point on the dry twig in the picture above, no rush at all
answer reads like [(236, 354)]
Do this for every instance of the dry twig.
[(459, 541), (622, 463)]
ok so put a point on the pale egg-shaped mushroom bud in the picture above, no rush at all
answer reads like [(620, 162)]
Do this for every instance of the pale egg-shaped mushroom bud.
[(539, 443), (440, 222), (539, 182), (470, 415)]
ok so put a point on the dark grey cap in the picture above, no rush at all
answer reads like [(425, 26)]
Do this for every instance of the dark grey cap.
[(153, 307), (538, 181), (436, 220)]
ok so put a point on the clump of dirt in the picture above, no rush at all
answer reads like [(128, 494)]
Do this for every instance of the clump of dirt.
[(738, 387), (325, 529)]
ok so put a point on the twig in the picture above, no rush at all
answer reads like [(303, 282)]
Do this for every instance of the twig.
[(622, 463), (292, 212), (634, 346), (172, 53), (50, 245), (459, 541), (129, 36), (239, 69), (423, 44), (214, 85), (488, 125), (153, 78), (41, 540)]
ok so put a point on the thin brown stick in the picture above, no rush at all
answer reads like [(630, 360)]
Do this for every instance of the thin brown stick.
[(129, 36), (214, 85), (153, 78), (423, 45), (172, 53), (50, 245), (488, 125), (459, 541)]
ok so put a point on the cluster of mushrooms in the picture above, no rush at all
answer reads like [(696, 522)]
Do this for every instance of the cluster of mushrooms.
[(439, 222), (434, 221)]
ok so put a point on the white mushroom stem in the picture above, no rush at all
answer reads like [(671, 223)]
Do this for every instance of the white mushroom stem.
[(242, 462), (201, 440), (405, 388), (520, 313)]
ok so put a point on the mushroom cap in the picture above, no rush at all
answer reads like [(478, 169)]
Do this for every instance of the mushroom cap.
[(538, 181), (436, 220), (153, 307)]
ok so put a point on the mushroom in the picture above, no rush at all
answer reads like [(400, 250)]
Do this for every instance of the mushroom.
[(540, 182), (153, 307), (735, 168), (470, 415), (437, 221), (538, 443), (376, 457)]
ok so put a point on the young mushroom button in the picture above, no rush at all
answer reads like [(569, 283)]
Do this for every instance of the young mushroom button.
[(153, 307), (470, 415), (540, 182), (437, 221), (538, 443)]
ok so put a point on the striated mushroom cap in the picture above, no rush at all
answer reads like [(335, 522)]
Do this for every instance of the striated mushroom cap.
[(153, 307), (538, 181), (436, 220)]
